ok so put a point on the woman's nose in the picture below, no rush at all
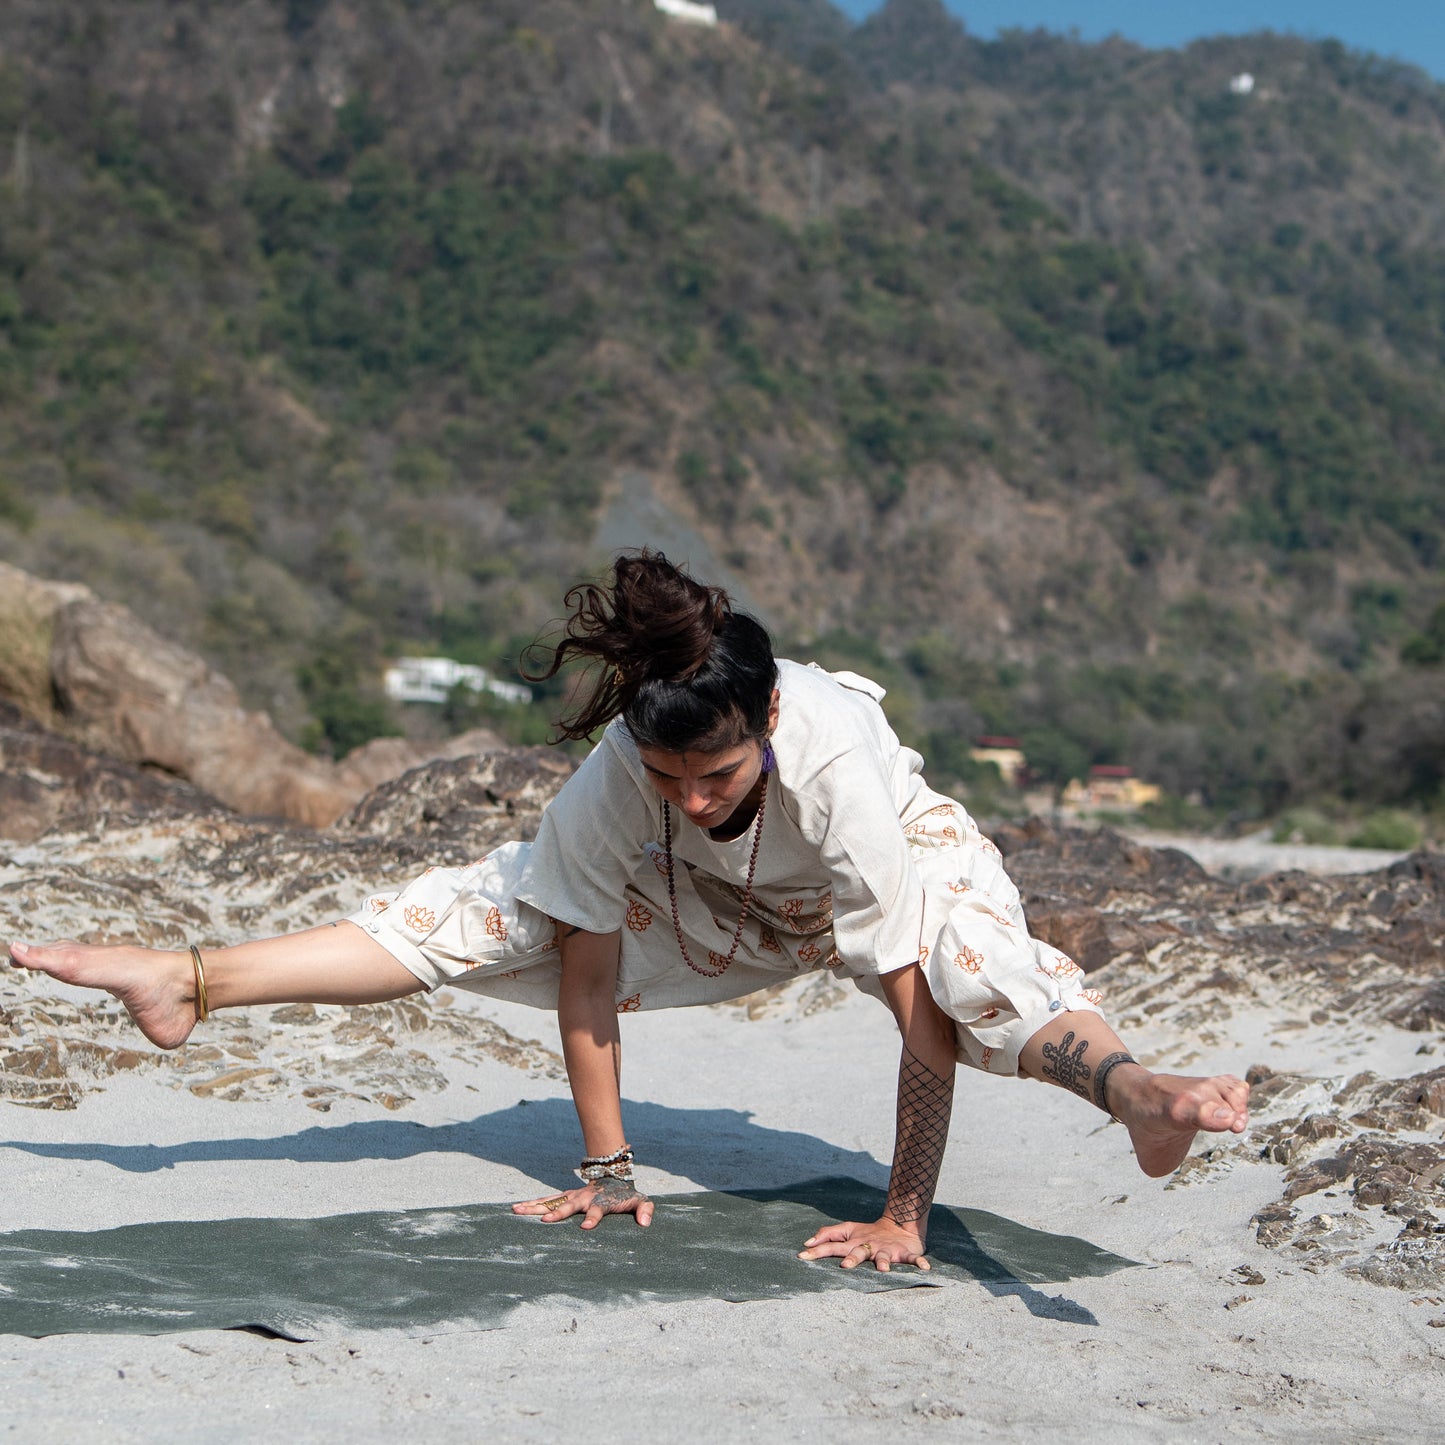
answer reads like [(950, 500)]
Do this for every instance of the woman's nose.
[(694, 798)]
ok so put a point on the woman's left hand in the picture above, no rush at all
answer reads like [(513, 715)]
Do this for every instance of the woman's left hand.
[(593, 1202), (885, 1242)]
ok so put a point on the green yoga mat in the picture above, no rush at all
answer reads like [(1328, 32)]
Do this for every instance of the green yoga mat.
[(427, 1270)]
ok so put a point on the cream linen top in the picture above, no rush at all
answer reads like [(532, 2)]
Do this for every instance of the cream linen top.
[(834, 852)]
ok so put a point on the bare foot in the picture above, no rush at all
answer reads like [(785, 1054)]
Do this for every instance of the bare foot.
[(1163, 1112), (158, 989)]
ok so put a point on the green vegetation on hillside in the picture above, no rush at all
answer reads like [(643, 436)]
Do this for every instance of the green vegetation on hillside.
[(356, 374)]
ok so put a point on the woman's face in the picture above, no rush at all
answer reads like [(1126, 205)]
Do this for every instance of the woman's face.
[(709, 787)]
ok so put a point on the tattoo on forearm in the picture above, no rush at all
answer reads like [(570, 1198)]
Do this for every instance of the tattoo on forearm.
[(617, 1196), (925, 1103), (1064, 1064), (1101, 1078)]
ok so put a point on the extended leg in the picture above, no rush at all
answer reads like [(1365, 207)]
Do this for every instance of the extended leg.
[(1162, 1112), (336, 963)]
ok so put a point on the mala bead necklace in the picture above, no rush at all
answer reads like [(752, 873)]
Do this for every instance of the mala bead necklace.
[(769, 762)]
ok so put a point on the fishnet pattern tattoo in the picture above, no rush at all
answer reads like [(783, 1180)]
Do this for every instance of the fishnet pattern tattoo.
[(1068, 1069), (925, 1103)]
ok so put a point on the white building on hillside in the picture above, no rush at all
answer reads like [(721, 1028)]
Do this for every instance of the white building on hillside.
[(686, 10), (431, 679)]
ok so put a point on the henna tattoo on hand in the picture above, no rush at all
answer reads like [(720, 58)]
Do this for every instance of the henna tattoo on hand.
[(617, 1196), (1101, 1078), (1068, 1069), (925, 1104)]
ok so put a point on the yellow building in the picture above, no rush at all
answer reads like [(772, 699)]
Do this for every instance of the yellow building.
[(1111, 788)]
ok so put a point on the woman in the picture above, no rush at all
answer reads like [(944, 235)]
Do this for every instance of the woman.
[(741, 821)]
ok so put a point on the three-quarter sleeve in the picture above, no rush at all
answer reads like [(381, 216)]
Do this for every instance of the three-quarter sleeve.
[(589, 844)]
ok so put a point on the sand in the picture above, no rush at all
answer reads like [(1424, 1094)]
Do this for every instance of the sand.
[(1219, 1338)]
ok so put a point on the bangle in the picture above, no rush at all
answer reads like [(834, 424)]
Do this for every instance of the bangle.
[(202, 1006), (617, 1165), (1101, 1081)]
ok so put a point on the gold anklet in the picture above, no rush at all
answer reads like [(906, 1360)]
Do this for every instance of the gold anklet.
[(202, 1008)]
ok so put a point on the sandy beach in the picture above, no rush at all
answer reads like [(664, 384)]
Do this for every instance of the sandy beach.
[(1290, 1282), (1218, 1338)]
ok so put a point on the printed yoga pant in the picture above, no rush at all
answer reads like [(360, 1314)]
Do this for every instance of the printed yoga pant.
[(465, 927)]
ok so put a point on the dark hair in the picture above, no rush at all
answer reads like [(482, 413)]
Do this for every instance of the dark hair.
[(670, 655)]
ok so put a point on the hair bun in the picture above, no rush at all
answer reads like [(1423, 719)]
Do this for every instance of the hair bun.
[(665, 621), (653, 623)]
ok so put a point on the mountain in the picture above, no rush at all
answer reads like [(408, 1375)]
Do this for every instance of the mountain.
[(1070, 390)]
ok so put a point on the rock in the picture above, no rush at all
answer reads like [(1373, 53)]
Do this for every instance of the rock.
[(383, 759), (125, 690), (464, 798), (47, 783), (95, 673), (27, 622)]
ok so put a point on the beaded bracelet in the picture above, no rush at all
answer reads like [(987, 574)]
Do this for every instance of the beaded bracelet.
[(617, 1165)]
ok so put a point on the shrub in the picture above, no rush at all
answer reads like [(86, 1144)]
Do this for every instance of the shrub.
[(1388, 828)]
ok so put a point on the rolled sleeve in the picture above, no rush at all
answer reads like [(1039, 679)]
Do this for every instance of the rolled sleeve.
[(589, 844)]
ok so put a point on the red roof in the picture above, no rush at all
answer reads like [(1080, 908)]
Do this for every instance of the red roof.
[(1110, 770), (995, 742)]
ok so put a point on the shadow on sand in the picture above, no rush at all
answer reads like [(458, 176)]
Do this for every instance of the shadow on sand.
[(422, 1270)]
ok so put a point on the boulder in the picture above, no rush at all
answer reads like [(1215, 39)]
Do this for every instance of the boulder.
[(96, 674)]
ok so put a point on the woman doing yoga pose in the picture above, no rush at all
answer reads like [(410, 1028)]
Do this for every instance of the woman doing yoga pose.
[(741, 821)]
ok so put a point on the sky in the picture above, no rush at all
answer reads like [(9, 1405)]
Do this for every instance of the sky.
[(1412, 30)]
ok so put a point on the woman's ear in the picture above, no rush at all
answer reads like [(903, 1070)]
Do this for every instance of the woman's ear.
[(773, 711)]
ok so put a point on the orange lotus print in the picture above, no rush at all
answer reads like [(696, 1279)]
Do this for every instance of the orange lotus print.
[(639, 917), (495, 927), (418, 919), (970, 960), (960, 887), (630, 1005), (923, 955), (1065, 967), (987, 1060), (988, 1013), (989, 846), (944, 810), (792, 909), (1092, 995), (768, 941), (809, 952), (378, 905)]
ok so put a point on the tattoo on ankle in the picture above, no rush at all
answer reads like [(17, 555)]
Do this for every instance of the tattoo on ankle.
[(1101, 1078), (925, 1103), (1066, 1068), (617, 1196)]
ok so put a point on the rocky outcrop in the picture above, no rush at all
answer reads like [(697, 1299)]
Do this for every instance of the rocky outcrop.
[(1188, 958), (1308, 967), (95, 672), (96, 849)]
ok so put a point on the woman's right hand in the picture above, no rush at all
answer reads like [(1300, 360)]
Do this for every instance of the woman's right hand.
[(592, 1201)]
